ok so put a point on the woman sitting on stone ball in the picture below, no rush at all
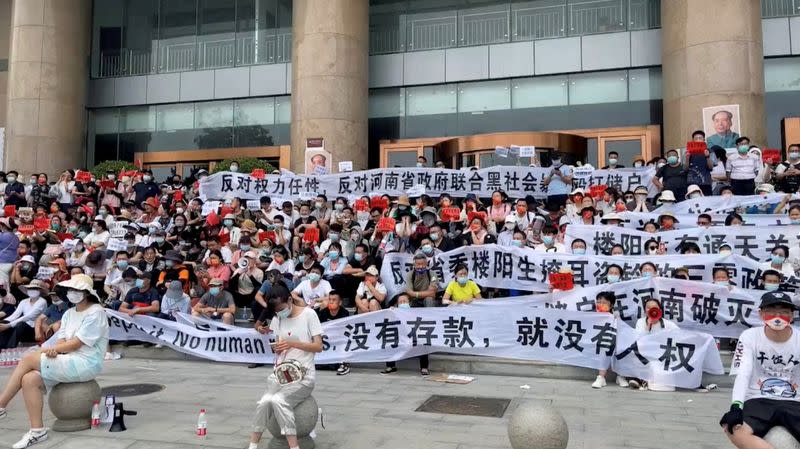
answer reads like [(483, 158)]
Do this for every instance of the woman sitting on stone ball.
[(77, 356)]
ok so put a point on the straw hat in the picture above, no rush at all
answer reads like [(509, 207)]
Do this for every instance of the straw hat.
[(36, 284), (81, 282)]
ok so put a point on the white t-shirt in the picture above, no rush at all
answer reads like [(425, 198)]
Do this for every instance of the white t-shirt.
[(310, 293), (641, 326), (303, 328), (764, 368), (364, 292)]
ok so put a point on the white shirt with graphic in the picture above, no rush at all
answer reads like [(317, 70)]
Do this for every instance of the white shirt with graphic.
[(765, 368)]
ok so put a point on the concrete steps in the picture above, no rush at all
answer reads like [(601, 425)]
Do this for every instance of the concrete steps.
[(449, 363)]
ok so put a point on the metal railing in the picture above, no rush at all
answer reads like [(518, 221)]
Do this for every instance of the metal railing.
[(779, 8), (517, 21)]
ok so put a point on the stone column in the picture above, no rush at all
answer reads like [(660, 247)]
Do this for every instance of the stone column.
[(47, 83), (330, 56), (711, 55)]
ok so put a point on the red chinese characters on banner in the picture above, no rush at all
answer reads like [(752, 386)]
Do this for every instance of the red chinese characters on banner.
[(562, 281), (696, 148), (597, 191), (451, 214), (26, 229), (41, 223), (361, 205)]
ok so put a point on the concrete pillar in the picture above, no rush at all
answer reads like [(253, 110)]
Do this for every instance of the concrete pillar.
[(711, 55), (47, 82), (329, 79)]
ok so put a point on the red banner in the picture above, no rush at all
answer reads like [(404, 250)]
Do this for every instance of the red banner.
[(258, 173), (696, 148)]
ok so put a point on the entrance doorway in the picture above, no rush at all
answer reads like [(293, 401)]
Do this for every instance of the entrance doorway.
[(186, 162)]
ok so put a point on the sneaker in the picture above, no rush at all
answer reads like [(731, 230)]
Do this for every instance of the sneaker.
[(424, 372), (344, 368), (2, 413), (622, 381), (255, 365), (388, 370), (31, 438), (158, 346), (634, 384), (600, 382)]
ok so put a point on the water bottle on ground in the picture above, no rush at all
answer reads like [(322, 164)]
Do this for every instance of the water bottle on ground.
[(202, 424), (96, 415)]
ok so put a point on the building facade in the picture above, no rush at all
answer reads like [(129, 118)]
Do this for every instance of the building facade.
[(189, 82)]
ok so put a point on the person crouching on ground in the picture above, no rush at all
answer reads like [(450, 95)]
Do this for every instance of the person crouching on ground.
[(77, 356), (299, 337), (767, 375)]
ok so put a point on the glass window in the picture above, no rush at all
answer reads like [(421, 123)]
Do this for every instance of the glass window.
[(283, 43), (402, 158), (283, 110), (628, 150), (539, 92), (213, 121), (103, 131), (256, 22), (177, 35), (137, 126), (431, 25), (484, 96), (387, 103), (174, 117), (387, 26), (600, 87), (216, 40), (782, 74), (779, 8), (539, 19), (483, 25), (596, 16), (107, 54), (253, 122), (140, 37), (644, 84), (644, 14), (426, 100), (106, 121), (491, 159)]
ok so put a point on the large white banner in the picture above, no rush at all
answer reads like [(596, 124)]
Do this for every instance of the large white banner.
[(495, 266), (503, 330), (517, 182), (754, 242), (720, 204), (637, 220)]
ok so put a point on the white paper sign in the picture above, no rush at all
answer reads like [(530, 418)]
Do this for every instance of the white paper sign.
[(117, 245), (501, 151), (117, 229), (527, 151), (417, 190), (45, 273), (306, 196), (253, 204), (513, 150), (210, 206), (345, 166), (69, 244)]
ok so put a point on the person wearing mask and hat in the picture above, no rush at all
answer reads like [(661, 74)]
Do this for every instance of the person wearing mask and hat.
[(667, 221), (612, 219), (574, 204), (174, 301), (371, 293), (24, 271), (558, 182), (150, 207), (765, 389), (77, 356), (19, 326), (143, 299), (694, 191), (506, 235), (216, 303), (477, 234), (49, 321), (673, 176), (230, 233)]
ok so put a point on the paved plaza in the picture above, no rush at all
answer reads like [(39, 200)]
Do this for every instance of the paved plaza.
[(364, 410)]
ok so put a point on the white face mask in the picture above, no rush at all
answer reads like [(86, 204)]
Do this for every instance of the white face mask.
[(75, 296), (34, 294)]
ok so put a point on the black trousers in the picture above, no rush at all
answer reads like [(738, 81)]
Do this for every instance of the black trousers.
[(16, 335), (743, 186), (423, 362)]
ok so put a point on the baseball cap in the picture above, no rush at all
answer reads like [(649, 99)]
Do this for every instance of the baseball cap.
[(776, 299)]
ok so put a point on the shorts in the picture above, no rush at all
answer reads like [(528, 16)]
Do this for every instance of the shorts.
[(763, 414)]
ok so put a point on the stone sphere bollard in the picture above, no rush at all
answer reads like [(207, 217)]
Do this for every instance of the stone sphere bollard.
[(71, 403), (305, 419), (780, 438), (535, 425)]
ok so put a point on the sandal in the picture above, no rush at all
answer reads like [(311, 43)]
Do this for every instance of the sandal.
[(424, 372)]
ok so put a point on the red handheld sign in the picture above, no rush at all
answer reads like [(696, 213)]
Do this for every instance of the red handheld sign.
[(562, 281), (771, 155), (597, 191), (107, 184), (361, 205), (451, 214), (386, 224), (26, 229), (696, 148), (311, 235), (258, 173), (83, 176), (41, 223), (10, 211), (476, 214), (379, 202)]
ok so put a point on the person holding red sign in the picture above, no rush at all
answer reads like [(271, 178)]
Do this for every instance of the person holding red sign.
[(699, 163), (477, 234)]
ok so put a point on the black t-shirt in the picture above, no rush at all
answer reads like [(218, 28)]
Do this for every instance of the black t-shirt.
[(364, 264), (325, 314), (674, 179), (607, 167)]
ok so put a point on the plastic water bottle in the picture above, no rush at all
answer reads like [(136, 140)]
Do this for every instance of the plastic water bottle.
[(202, 424), (96, 414), (3, 357)]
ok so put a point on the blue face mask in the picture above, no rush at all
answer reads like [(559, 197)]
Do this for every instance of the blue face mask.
[(672, 160), (169, 263), (333, 254), (404, 306), (358, 257), (434, 236), (777, 260), (579, 251), (283, 314), (612, 278), (517, 243), (771, 287), (301, 258), (722, 283), (647, 274), (122, 264), (228, 223), (462, 280), (139, 283), (244, 247), (214, 291), (427, 249), (313, 277), (548, 240), (333, 236)]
